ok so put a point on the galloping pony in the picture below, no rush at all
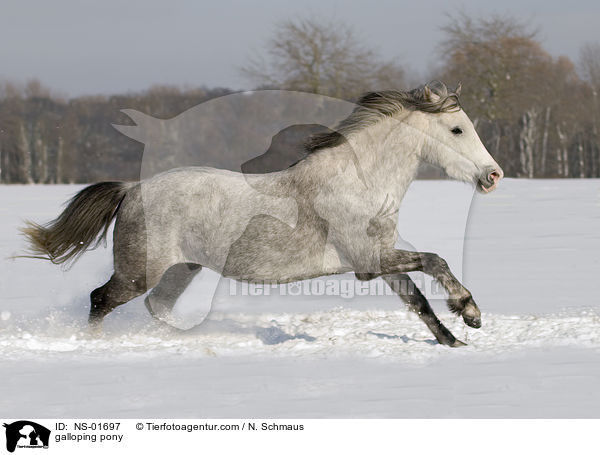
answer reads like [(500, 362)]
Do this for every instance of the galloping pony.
[(335, 211)]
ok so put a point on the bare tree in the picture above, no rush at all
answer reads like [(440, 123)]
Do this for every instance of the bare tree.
[(589, 62), (35, 89), (321, 57), (525, 103), (496, 58)]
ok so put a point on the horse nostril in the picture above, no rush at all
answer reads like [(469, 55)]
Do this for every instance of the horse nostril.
[(494, 176)]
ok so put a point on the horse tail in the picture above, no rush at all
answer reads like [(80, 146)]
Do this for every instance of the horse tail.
[(86, 218)]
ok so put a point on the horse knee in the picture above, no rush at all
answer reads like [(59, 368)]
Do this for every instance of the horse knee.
[(434, 263)]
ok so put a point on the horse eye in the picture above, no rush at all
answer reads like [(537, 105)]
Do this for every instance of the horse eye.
[(456, 130)]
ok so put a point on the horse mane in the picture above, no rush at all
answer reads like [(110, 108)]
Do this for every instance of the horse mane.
[(374, 106)]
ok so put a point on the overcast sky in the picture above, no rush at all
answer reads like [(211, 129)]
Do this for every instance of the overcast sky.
[(108, 46)]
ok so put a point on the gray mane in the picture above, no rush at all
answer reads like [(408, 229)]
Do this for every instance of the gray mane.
[(374, 106)]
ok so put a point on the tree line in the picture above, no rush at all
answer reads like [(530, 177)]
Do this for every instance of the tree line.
[(47, 139), (537, 114)]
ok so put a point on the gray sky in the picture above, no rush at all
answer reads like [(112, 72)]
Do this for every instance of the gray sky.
[(89, 47)]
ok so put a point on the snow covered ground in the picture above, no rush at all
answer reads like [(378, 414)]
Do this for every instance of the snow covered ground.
[(528, 252)]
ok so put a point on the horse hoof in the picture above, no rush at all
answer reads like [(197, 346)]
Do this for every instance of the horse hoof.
[(95, 330), (457, 344), (472, 322), (471, 315)]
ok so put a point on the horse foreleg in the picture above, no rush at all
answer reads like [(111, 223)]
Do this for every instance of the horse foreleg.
[(404, 286), (460, 300)]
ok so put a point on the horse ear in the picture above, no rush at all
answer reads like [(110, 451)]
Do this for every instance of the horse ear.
[(458, 89)]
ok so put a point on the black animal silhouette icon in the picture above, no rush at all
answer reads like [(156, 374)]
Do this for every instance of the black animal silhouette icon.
[(27, 433)]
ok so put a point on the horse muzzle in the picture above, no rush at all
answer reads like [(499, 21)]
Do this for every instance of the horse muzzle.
[(489, 179)]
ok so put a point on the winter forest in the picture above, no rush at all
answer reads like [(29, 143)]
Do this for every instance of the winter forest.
[(537, 114)]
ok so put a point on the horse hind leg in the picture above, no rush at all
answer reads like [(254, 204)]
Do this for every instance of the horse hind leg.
[(113, 293), (161, 300)]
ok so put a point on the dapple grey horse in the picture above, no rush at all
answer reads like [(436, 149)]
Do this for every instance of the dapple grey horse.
[(335, 211)]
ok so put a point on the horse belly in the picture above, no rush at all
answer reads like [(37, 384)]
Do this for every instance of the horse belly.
[(271, 250)]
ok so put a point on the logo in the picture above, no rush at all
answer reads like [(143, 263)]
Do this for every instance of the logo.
[(26, 434)]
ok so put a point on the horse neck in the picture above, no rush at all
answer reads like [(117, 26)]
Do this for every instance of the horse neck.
[(389, 153), (381, 159)]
